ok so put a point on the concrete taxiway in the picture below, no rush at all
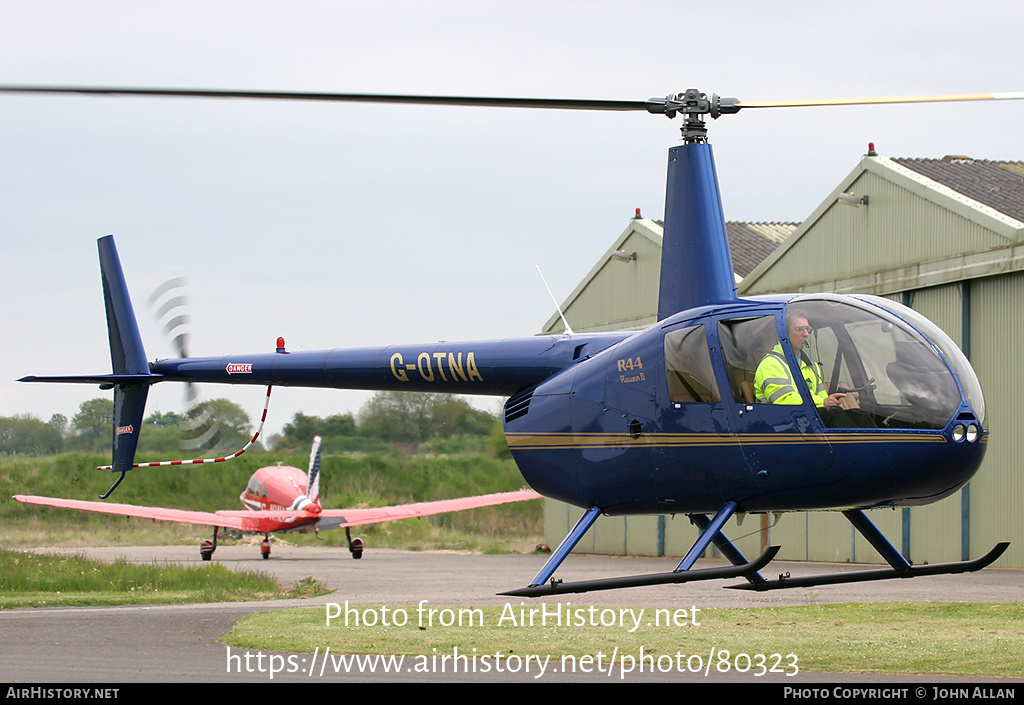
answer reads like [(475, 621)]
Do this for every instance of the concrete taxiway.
[(178, 643)]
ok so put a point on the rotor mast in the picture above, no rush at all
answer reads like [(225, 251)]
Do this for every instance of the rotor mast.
[(696, 265)]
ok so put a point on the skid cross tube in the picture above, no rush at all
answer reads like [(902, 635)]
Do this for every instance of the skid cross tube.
[(709, 529), (568, 543), (875, 537), (726, 547)]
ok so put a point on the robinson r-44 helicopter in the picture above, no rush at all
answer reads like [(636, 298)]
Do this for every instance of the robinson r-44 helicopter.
[(715, 409)]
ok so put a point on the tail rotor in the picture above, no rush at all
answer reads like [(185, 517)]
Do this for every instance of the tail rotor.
[(169, 306)]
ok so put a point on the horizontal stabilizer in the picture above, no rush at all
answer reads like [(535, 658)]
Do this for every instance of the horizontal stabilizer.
[(105, 381)]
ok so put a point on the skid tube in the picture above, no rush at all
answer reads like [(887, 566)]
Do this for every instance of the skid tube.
[(915, 571), (900, 566), (557, 587)]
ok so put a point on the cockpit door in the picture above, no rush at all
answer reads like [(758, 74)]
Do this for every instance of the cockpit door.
[(772, 436)]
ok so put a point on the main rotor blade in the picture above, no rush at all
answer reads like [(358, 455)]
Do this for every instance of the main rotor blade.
[(880, 101), (690, 102), (550, 103)]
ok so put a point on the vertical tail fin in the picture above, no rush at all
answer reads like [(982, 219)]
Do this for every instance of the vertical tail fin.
[(127, 357)]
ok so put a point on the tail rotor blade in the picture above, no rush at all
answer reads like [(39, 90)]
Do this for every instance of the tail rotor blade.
[(169, 306)]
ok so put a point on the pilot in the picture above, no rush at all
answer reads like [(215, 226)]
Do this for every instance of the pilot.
[(773, 381)]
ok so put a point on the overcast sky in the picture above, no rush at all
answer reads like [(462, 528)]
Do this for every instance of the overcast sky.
[(339, 225)]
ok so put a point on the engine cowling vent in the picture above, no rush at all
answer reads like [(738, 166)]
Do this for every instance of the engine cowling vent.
[(518, 404)]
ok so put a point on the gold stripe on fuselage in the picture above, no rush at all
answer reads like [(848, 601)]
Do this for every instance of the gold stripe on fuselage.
[(562, 441)]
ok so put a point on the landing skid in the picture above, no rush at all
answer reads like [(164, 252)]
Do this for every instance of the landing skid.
[(557, 587), (711, 532), (862, 576), (900, 566)]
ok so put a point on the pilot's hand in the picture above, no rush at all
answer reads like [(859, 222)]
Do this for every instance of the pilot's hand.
[(834, 399)]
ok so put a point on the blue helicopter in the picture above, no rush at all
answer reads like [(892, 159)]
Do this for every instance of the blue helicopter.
[(726, 405)]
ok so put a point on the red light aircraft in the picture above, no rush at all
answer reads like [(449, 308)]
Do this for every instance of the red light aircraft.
[(281, 498)]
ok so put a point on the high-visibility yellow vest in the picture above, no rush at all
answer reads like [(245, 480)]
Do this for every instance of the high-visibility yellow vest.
[(773, 381)]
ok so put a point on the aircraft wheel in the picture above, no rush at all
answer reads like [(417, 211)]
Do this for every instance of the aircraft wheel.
[(355, 547)]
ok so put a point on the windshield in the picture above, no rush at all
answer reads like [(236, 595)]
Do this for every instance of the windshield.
[(953, 354), (893, 377)]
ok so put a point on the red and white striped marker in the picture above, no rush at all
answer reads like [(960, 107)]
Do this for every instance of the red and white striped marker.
[(244, 448)]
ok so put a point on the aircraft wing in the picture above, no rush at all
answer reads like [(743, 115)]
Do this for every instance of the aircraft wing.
[(245, 521), (339, 518), (264, 521)]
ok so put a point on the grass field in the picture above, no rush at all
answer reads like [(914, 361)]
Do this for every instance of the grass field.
[(37, 580), (965, 639)]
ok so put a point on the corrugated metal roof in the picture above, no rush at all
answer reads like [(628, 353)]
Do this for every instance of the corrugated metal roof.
[(929, 222), (750, 243), (996, 184)]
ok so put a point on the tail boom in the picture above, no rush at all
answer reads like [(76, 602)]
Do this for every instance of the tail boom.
[(493, 367)]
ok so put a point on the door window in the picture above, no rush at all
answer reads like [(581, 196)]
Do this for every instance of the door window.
[(688, 366)]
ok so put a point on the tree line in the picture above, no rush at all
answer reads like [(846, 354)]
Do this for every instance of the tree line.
[(441, 422)]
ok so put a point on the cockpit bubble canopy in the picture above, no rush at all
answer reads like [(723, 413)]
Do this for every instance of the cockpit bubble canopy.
[(905, 371)]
